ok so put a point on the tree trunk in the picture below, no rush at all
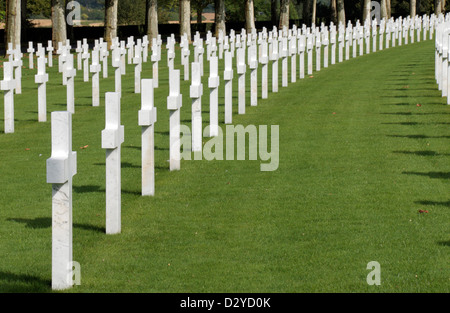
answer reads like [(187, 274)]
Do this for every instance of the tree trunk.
[(13, 21), (219, 7), (437, 7), (333, 12), (152, 19), (185, 18), (388, 8), (443, 6), (274, 11), (249, 16), (383, 13), (314, 10), (59, 33), (412, 8), (341, 12), (110, 21), (284, 14), (199, 15), (367, 7)]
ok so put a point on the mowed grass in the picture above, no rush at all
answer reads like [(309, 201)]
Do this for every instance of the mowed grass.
[(358, 160)]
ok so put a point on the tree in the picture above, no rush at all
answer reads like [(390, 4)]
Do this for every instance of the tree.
[(185, 18), (110, 20), (437, 7), (333, 11), (151, 18), (412, 8), (199, 6), (219, 7), (314, 10), (284, 14), (383, 13), (249, 16), (59, 33), (388, 8), (341, 11), (367, 7), (13, 22)]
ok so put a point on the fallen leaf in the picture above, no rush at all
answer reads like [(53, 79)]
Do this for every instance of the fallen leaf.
[(311, 76), (423, 211), (418, 104), (27, 149)]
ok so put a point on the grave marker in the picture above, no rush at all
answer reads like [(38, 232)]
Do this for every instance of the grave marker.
[(112, 139), (61, 167), (147, 119)]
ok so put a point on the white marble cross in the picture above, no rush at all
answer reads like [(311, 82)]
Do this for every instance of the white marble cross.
[(137, 61), (145, 44), (7, 85), (112, 139), (264, 60), (185, 55), (293, 55), (348, 40), (10, 52), (333, 44), (309, 49), (79, 50), (70, 72), (61, 167), (283, 44), (374, 35), (213, 84), (381, 32), (30, 51), (241, 68), (228, 78), (170, 53), (123, 52), (318, 50), (147, 119), (273, 56), (196, 92), (253, 65), (301, 52), (325, 42), (155, 57), (116, 63), (41, 79), (85, 56), (104, 53), (174, 103), (95, 70), (50, 53), (130, 46), (17, 65), (341, 38)]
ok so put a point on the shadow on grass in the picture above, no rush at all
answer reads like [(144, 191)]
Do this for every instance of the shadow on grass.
[(139, 148), (439, 175), (417, 136), (46, 222), (123, 164), (427, 202), (10, 282), (444, 243), (94, 188), (422, 153)]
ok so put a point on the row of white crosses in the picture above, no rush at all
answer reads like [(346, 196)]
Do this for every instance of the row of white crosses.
[(442, 50), (62, 164)]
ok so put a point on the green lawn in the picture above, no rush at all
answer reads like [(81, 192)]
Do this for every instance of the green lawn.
[(358, 159)]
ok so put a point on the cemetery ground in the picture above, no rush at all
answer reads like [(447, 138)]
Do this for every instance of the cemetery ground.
[(363, 176)]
